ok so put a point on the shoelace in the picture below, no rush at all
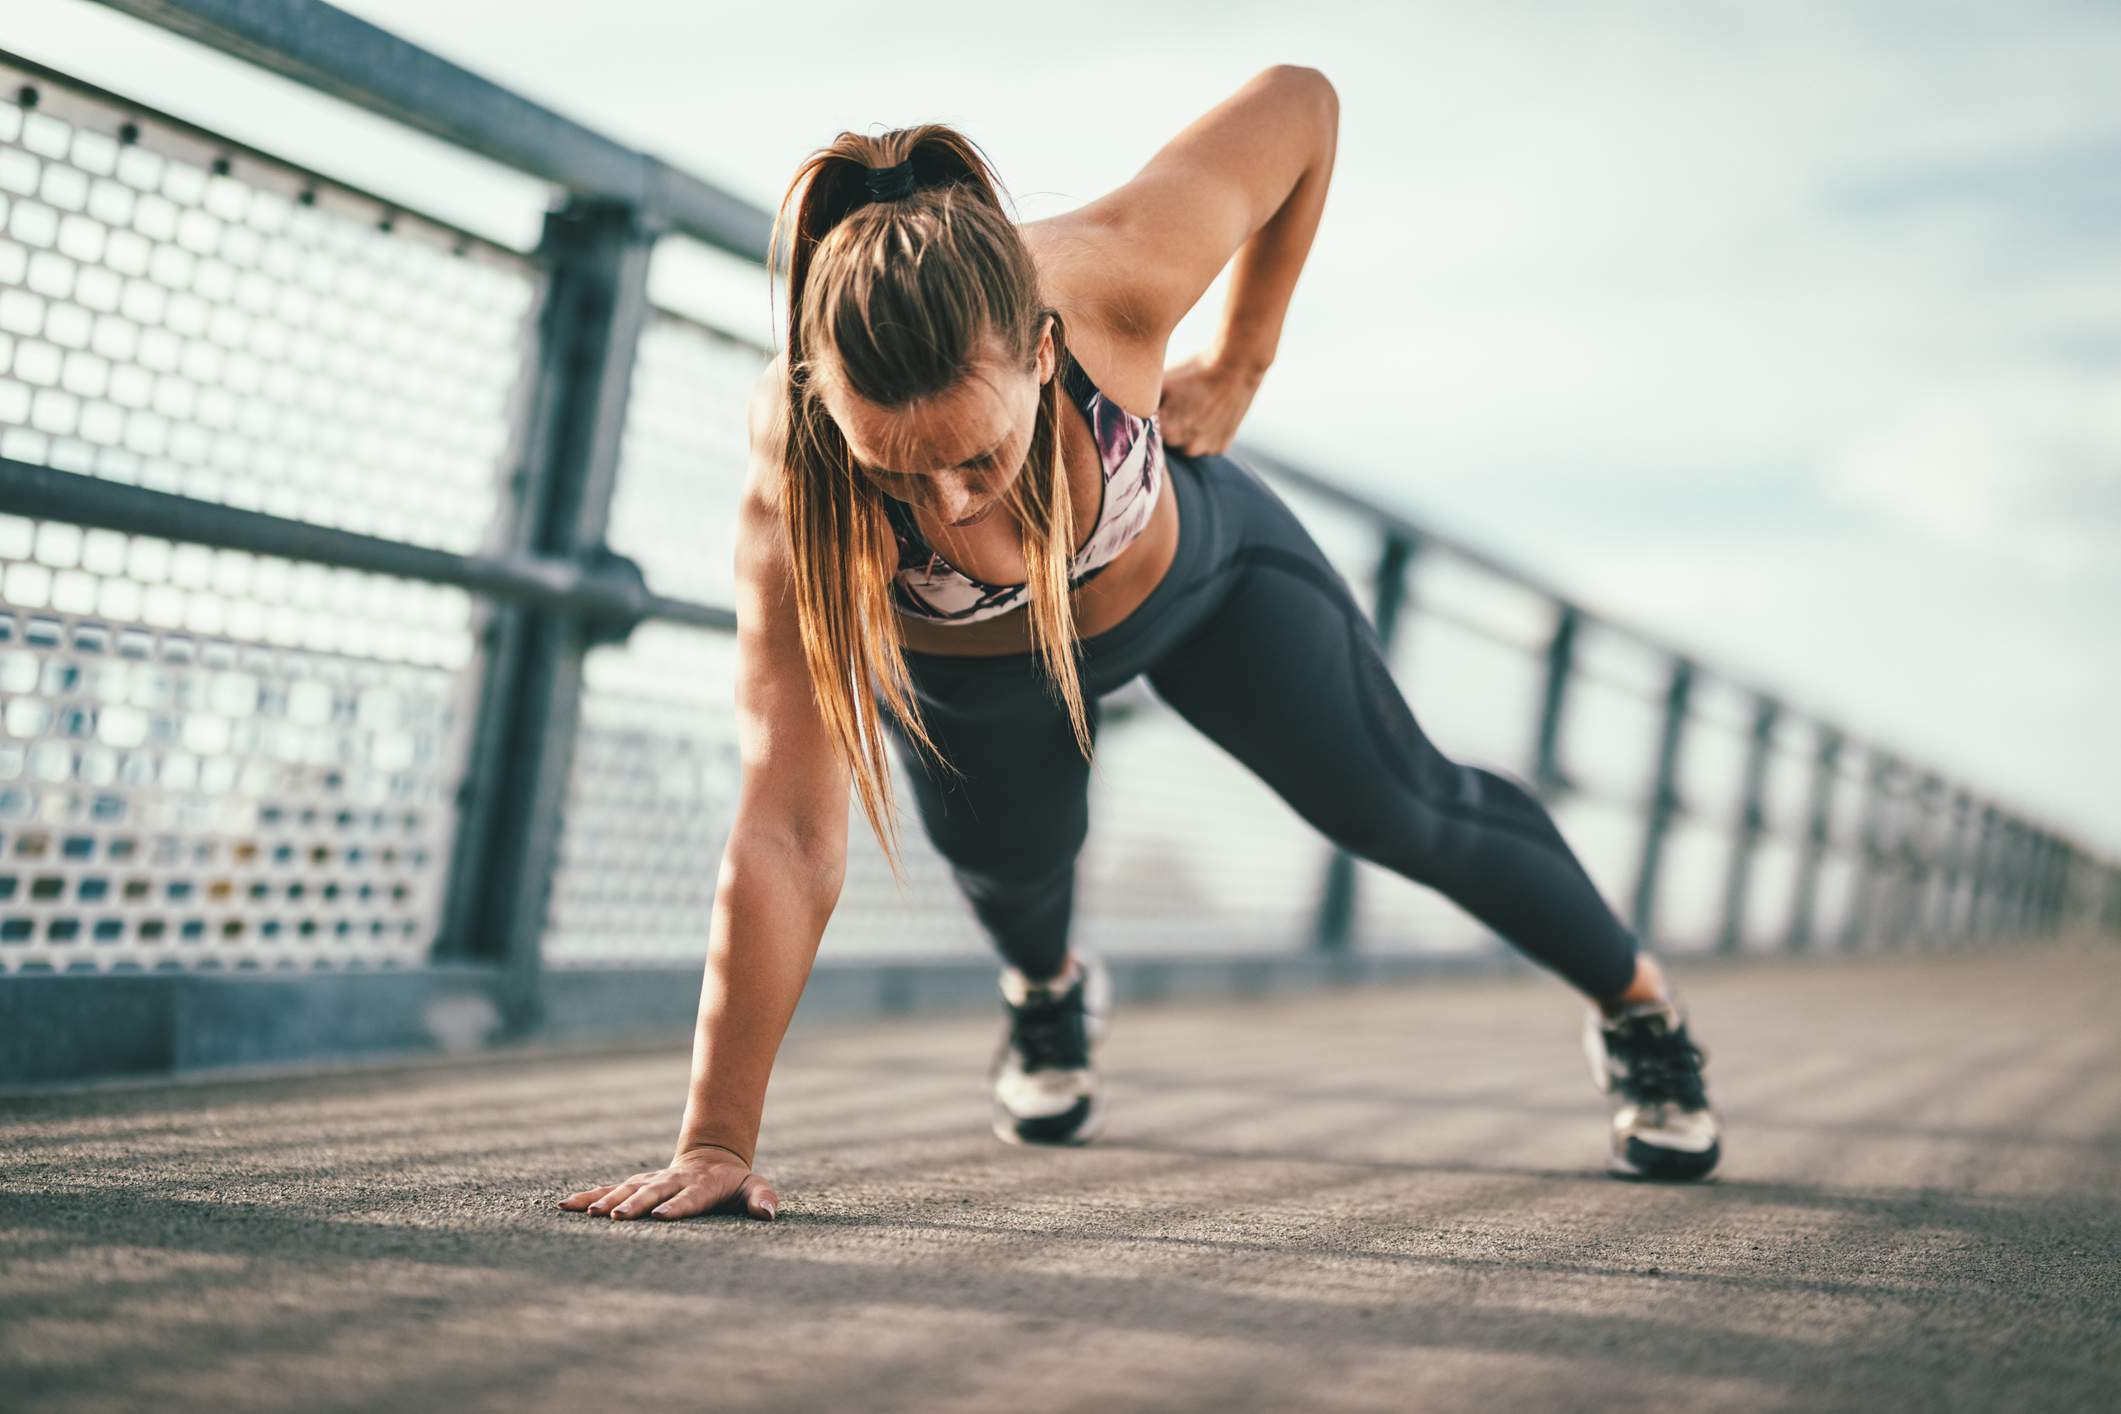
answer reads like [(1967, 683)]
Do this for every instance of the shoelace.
[(1662, 1068), (1049, 1033)]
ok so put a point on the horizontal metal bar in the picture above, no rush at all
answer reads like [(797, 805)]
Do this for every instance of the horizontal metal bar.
[(75, 1026), (337, 53), (57, 1028), (60, 1029), (77, 101), (604, 592)]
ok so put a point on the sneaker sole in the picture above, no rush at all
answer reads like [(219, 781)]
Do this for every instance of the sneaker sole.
[(1061, 1130), (1648, 1162)]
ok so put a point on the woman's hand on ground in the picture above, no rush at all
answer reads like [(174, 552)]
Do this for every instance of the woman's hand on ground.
[(697, 1181)]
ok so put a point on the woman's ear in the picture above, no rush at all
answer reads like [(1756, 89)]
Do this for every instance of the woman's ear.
[(1048, 356)]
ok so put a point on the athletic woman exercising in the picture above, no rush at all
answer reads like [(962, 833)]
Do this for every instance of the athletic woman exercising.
[(979, 502)]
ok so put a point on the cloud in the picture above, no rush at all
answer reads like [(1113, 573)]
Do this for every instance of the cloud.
[(2027, 464)]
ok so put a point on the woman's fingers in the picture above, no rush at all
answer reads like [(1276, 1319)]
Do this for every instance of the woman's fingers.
[(589, 1196), (649, 1194), (617, 1194), (759, 1199), (694, 1199), (581, 1200), (754, 1197)]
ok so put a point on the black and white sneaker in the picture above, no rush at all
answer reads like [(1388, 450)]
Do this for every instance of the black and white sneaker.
[(1045, 1081), (1663, 1125)]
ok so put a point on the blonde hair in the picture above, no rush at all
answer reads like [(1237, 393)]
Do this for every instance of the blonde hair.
[(896, 300)]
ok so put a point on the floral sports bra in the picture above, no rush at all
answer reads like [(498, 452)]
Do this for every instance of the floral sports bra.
[(928, 586)]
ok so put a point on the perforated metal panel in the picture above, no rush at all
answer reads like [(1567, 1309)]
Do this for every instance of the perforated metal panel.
[(181, 314), (652, 786), (213, 759), (682, 461), (653, 790)]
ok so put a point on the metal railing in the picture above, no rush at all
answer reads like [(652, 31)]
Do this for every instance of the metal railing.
[(338, 549)]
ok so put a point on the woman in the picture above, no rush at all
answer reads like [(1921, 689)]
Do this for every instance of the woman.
[(959, 535)]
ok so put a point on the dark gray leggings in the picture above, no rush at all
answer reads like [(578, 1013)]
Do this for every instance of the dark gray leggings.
[(1254, 638)]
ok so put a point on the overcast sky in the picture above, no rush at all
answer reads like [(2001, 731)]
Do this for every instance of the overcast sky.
[(1791, 331)]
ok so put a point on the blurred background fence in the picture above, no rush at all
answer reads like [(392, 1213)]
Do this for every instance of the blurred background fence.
[(365, 657)]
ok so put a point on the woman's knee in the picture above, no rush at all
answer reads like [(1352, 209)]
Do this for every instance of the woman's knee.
[(1017, 883), (1434, 836), (1424, 834), (1411, 841), (1027, 845)]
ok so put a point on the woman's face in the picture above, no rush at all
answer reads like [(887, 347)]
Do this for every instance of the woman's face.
[(954, 454)]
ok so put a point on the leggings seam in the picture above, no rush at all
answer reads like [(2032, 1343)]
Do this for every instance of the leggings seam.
[(1300, 567)]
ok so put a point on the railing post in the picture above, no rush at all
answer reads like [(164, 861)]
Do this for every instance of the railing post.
[(2018, 889), (2038, 847), (1818, 827), (1334, 930), (2057, 891), (596, 256), (1547, 776), (1981, 907), (2065, 889), (1950, 923), (1870, 851), (1751, 823), (2008, 841), (2035, 923), (1913, 858), (1664, 798), (2022, 885), (2039, 869)]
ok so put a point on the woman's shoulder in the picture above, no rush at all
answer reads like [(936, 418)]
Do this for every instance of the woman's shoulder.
[(1121, 351), (767, 425)]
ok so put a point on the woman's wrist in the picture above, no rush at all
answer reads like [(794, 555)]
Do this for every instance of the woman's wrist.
[(693, 1146), (1241, 365)]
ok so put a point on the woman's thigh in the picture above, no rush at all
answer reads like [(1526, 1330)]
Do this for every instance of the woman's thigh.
[(1017, 801), (1288, 675)]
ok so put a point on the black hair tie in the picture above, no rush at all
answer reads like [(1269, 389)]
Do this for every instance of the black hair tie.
[(890, 183)]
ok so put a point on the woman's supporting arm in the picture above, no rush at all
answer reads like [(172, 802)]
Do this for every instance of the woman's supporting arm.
[(779, 880), (770, 910)]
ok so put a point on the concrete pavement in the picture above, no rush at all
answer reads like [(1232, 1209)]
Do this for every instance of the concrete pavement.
[(1380, 1200)]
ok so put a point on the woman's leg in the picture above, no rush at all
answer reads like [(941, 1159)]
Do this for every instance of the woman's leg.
[(1287, 675), (1012, 825)]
